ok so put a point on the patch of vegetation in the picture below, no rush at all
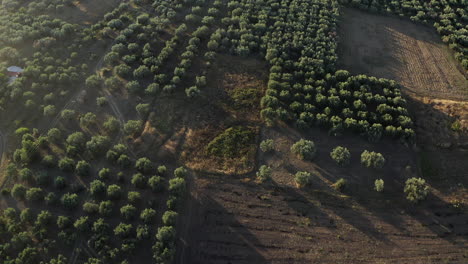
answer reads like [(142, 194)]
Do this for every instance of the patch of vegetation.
[(304, 149), (340, 185), (234, 142), (456, 126), (416, 189), (379, 185), (341, 155), (267, 145), (264, 173), (245, 97), (303, 178), (371, 159)]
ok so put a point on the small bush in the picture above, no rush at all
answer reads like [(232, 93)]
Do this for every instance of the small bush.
[(180, 172), (341, 155), (372, 159), (156, 183), (101, 101), (416, 189), (264, 173), (304, 149), (379, 185), (267, 145), (339, 185), (303, 178)]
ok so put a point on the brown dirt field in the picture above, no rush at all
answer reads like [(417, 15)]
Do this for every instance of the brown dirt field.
[(395, 48), (236, 220)]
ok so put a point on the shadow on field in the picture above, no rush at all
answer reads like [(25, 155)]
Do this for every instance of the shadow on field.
[(215, 236)]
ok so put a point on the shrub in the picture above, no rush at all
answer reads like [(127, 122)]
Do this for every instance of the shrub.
[(97, 188), (104, 173), (372, 159), (90, 208), (341, 155), (100, 227), (43, 218), (156, 183), (83, 168), (124, 161), (69, 200), (98, 145), (304, 149), (88, 119), (147, 215), (26, 174), (128, 211), (142, 232), (54, 135), (143, 109), (162, 169), (82, 224), (114, 192), (267, 145), (26, 215), (144, 165), (123, 230), (339, 185), (50, 198), (303, 178), (67, 164), (138, 180), (169, 218), (34, 194), (63, 221), (177, 186), (18, 191), (264, 173), (49, 110), (105, 208), (180, 172), (60, 182), (379, 185), (101, 101), (112, 125), (132, 127), (67, 114), (416, 189), (76, 139), (134, 197)]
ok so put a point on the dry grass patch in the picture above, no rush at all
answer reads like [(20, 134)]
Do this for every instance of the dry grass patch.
[(225, 151)]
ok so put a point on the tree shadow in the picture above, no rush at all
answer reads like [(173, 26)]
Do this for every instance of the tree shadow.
[(213, 235)]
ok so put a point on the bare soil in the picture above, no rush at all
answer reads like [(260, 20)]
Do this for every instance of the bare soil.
[(236, 220)]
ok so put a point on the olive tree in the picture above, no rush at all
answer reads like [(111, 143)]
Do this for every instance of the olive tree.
[(416, 189), (341, 155), (303, 178), (304, 149), (371, 159)]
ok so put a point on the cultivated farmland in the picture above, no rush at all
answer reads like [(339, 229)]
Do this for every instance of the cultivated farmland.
[(233, 131)]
